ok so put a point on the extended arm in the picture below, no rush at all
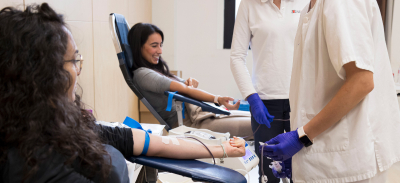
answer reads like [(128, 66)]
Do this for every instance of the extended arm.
[(240, 46), (185, 149), (201, 94)]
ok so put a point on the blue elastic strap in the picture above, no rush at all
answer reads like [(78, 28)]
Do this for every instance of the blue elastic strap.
[(170, 96), (136, 125), (169, 105), (146, 144)]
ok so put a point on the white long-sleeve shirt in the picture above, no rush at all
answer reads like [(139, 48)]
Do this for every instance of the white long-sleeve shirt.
[(270, 32)]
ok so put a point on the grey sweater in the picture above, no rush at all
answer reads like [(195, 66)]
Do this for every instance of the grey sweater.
[(152, 86)]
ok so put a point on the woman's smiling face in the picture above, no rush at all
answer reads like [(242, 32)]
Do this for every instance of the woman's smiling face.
[(152, 49)]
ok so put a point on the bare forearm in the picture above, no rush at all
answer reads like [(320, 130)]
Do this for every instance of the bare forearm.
[(200, 94), (191, 92), (185, 149)]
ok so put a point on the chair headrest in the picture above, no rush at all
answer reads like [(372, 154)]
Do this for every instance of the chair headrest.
[(122, 30)]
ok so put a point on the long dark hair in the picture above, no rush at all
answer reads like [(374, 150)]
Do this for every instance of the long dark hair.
[(35, 111), (137, 36)]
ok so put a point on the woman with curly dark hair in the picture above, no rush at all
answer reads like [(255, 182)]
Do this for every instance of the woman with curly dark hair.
[(46, 135)]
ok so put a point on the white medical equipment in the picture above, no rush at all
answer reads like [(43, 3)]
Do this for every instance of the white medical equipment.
[(240, 164)]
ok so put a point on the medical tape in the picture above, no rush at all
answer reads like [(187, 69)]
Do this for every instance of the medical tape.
[(165, 139), (175, 141), (136, 125), (169, 104)]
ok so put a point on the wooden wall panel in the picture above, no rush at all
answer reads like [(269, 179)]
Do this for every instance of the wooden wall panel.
[(113, 98), (16, 3)]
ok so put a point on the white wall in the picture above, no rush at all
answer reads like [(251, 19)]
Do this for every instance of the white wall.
[(195, 28), (394, 42)]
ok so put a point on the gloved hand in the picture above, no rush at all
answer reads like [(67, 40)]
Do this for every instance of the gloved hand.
[(284, 146), (259, 111), (286, 171)]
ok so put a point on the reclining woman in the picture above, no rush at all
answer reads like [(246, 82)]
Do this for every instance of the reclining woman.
[(46, 134), (152, 77)]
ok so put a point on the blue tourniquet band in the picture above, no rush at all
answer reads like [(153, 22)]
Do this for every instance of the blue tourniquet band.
[(169, 105), (146, 144), (136, 125), (170, 96)]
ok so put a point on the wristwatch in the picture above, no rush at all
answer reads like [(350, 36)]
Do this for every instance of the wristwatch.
[(303, 137)]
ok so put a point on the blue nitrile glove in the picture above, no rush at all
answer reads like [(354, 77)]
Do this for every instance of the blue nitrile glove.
[(285, 146), (259, 111), (286, 171)]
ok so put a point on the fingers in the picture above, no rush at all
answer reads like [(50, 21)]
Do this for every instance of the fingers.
[(236, 106), (265, 121), (190, 82), (195, 83), (272, 142), (237, 142), (225, 102), (267, 113), (262, 119)]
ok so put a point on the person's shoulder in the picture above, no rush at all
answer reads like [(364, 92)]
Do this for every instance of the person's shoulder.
[(143, 71), (348, 6)]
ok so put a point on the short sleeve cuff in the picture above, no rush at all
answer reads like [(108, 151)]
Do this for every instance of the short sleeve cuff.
[(360, 63)]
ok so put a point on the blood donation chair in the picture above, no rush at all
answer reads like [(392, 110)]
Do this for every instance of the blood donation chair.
[(197, 170)]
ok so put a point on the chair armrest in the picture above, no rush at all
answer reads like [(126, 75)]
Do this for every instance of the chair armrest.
[(204, 106), (194, 169)]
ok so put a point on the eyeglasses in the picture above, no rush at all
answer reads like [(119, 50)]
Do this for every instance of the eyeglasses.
[(78, 61)]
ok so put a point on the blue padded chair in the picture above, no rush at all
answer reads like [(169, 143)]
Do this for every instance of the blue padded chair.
[(197, 170), (119, 32)]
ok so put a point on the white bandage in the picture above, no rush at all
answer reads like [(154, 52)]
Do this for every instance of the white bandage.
[(165, 139), (174, 141)]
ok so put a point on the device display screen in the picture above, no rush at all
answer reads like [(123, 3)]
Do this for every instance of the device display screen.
[(247, 155)]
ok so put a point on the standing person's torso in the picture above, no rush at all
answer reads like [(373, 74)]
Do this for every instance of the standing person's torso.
[(332, 34), (272, 39)]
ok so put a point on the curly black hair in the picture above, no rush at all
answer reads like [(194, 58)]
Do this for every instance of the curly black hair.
[(35, 110)]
